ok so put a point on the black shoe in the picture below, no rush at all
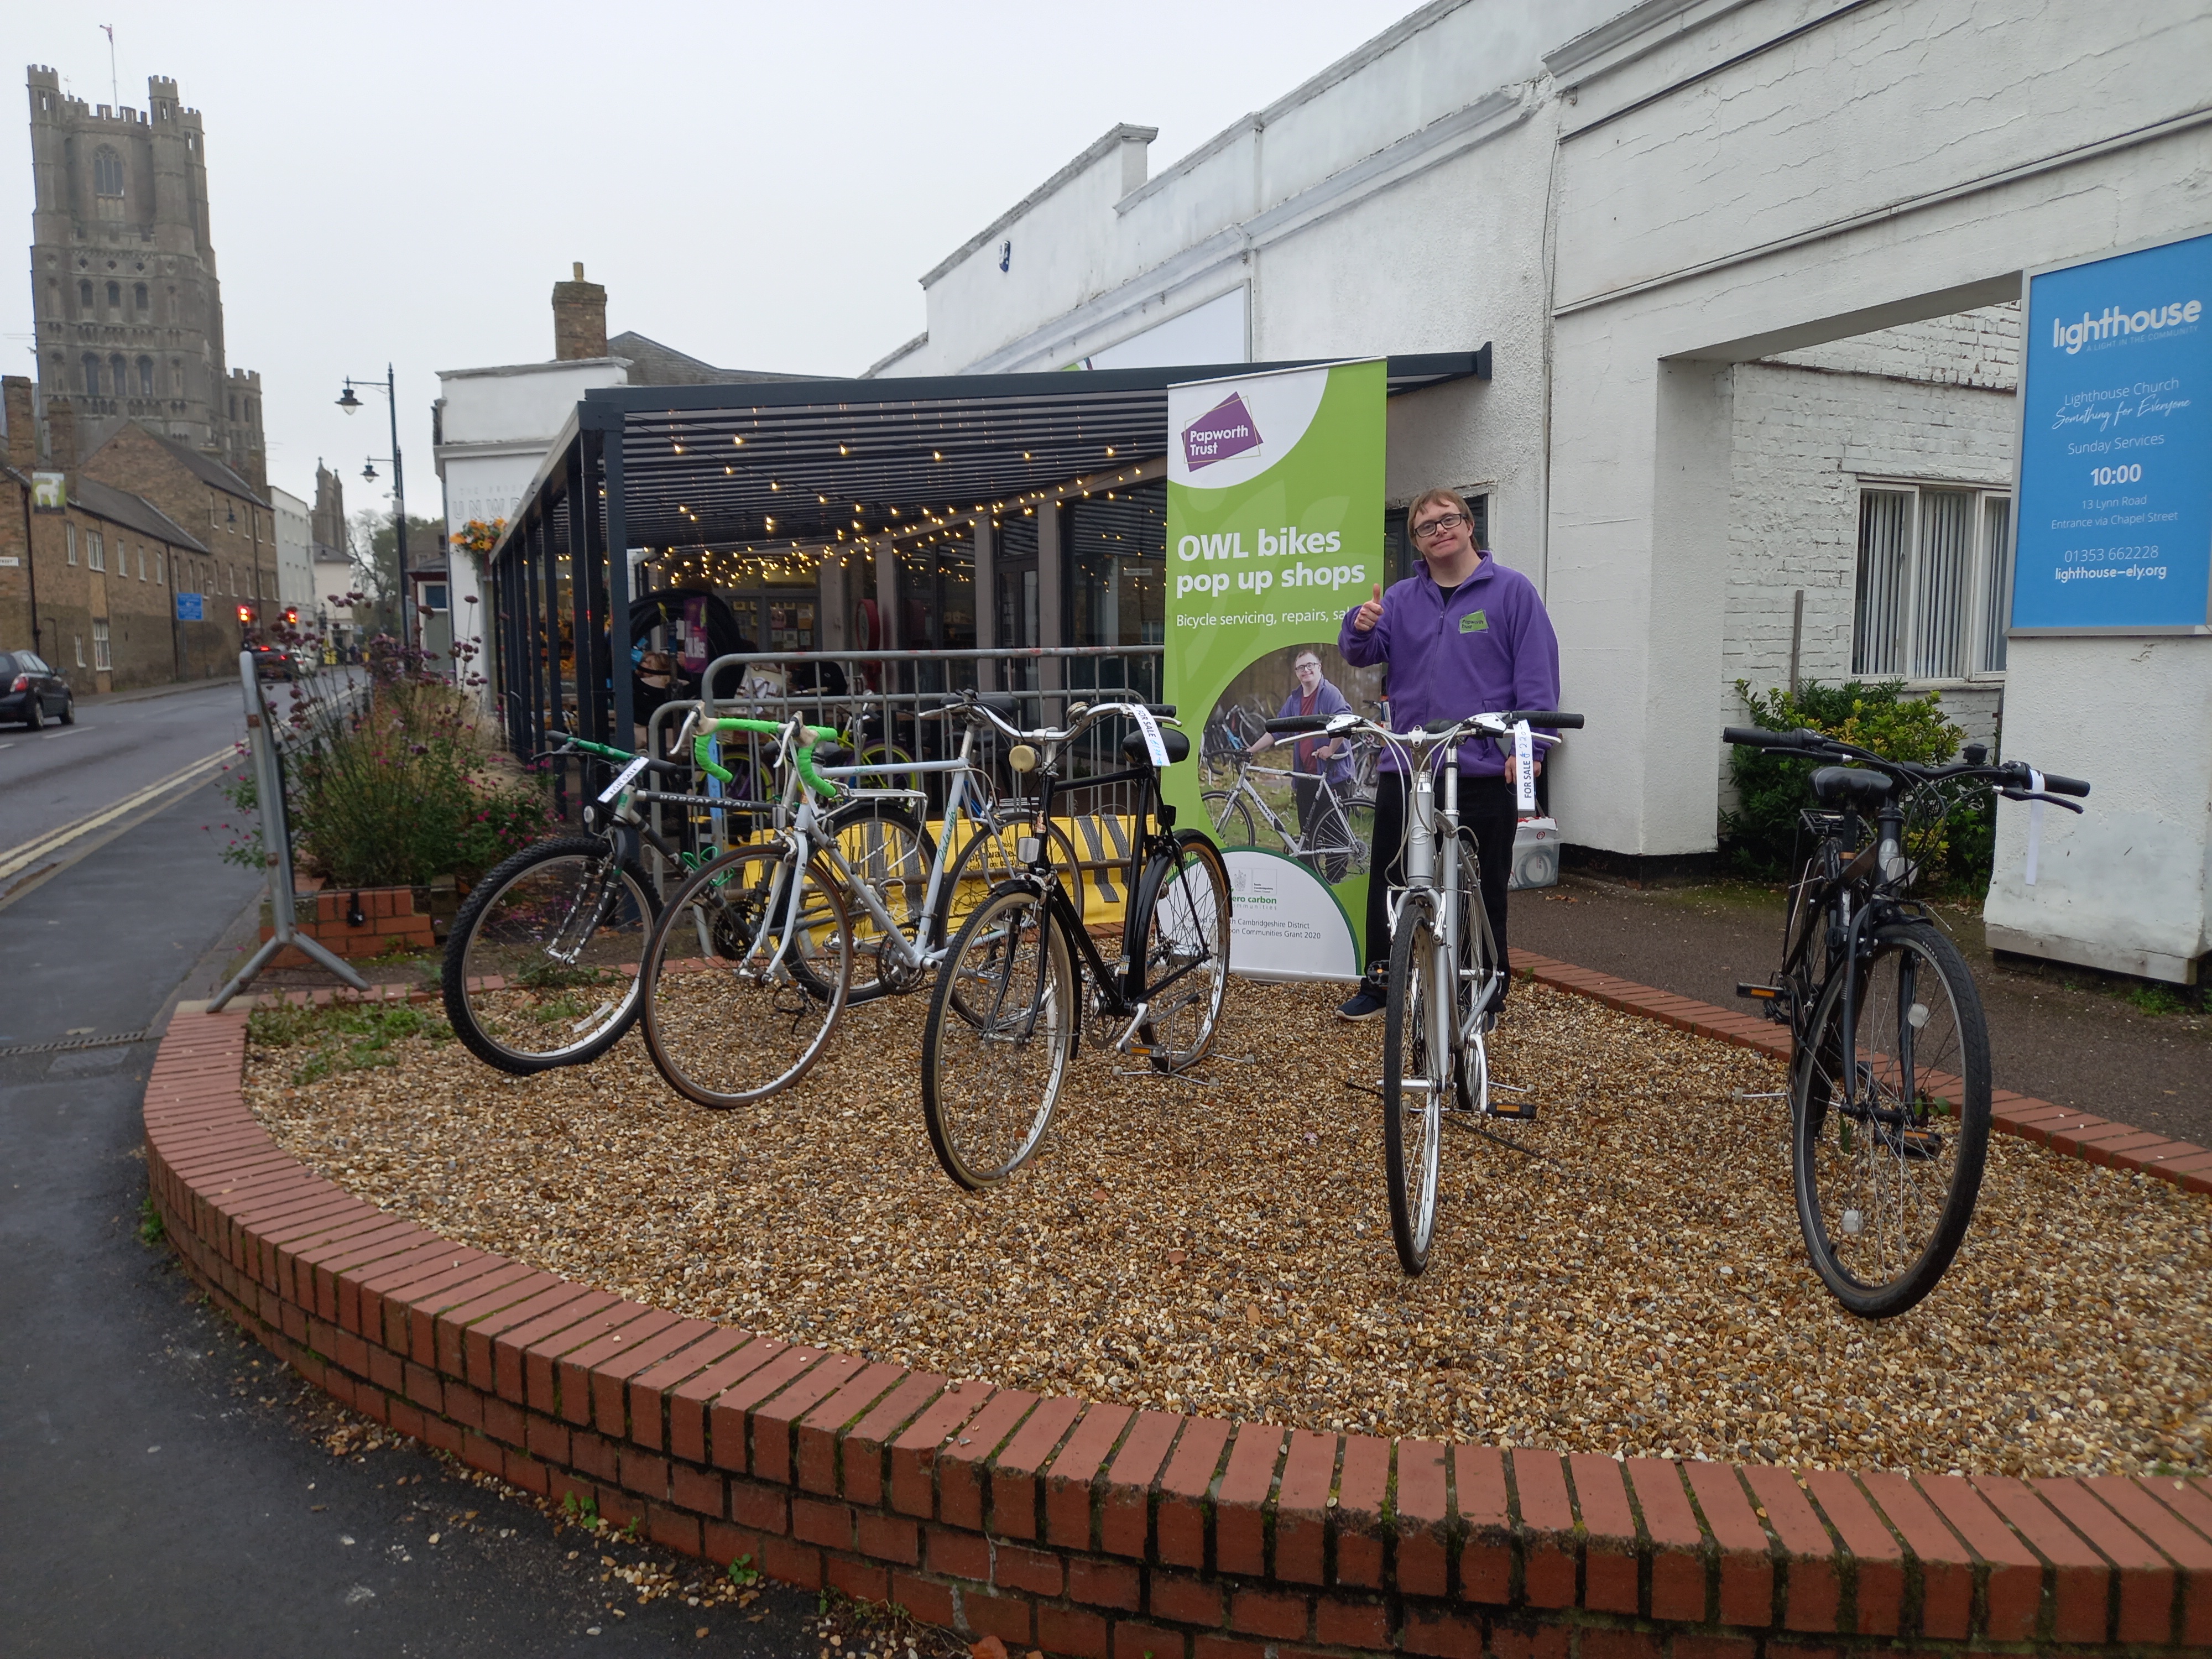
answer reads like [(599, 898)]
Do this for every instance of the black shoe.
[(1366, 1003)]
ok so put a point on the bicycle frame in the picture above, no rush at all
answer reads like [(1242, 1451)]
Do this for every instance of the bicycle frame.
[(1331, 804)]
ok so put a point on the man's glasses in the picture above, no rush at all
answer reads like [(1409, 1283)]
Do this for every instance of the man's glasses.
[(1438, 526)]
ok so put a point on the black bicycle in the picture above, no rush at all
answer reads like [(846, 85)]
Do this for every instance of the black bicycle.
[(1889, 1072), (1007, 1010)]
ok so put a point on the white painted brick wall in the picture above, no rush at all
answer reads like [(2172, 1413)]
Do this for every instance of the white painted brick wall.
[(1968, 348), (1805, 435)]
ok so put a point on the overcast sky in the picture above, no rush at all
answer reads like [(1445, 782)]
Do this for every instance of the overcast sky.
[(759, 186)]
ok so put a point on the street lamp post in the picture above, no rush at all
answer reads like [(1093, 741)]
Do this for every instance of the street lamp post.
[(348, 402)]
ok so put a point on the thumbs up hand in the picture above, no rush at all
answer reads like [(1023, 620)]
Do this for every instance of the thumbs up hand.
[(1369, 614)]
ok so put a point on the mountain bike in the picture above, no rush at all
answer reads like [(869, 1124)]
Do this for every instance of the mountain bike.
[(1447, 977), (1006, 1017), (540, 967), (1889, 1069)]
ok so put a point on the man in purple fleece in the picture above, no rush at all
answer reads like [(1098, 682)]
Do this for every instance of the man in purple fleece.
[(1467, 636)]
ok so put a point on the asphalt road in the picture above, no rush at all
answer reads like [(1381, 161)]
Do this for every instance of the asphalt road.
[(2072, 1038), (170, 1491), (118, 745)]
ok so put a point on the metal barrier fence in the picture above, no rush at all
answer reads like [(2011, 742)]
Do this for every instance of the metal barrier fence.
[(886, 705)]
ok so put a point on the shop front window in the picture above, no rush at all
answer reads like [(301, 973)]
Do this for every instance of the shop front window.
[(1116, 586)]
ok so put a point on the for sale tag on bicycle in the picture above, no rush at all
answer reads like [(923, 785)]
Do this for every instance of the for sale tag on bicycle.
[(622, 779), (1153, 746), (1524, 768)]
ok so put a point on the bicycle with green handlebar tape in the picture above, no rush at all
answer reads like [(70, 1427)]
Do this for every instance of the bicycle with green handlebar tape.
[(541, 962), (749, 965)]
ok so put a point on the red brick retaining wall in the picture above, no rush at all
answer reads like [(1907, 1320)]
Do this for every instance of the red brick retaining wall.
[(1093, 1529)]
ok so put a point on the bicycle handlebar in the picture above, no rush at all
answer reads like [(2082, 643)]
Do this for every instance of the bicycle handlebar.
[(2013, 778), (802, 757)]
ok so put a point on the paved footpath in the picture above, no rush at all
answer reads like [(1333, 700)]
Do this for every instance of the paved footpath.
[(2051, 1035), (163, 1493)]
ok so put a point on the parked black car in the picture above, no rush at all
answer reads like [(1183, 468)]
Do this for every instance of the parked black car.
[(273, 662), (32, 693)]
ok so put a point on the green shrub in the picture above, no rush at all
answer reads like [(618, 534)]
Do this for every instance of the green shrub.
[(395, 788), (1759, 837)]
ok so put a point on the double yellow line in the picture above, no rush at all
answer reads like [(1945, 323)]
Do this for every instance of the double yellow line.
[(42, 848)]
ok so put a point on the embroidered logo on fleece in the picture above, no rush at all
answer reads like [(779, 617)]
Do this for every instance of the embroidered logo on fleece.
[(1475, 623)]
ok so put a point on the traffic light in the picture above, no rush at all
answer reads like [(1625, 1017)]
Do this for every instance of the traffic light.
[(291, 616), (245, 615)]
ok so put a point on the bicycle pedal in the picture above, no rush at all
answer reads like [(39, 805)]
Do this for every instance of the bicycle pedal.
[(1919, 1146), (1520, 1112)]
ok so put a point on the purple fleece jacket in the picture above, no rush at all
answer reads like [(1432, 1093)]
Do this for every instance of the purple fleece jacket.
[(1483, 648)]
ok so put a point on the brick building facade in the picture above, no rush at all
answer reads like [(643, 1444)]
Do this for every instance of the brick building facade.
[(235, 570), (90, 587)]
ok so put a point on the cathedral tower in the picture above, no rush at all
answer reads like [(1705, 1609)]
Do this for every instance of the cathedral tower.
[(126, 305)]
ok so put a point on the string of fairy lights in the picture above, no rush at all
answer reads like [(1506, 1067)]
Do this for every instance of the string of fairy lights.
[(908, 535)]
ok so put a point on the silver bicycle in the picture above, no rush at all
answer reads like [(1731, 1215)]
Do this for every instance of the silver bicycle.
[(1447, 977)]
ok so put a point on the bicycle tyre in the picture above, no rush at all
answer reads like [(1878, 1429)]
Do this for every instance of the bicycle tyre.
[(1230, 817), (724, 1039), (1405, 1057), (986, 863), (891, 849), (1001, 1029), (1471, 1065), (491, 952), (1180, 923), (1880, 1234)]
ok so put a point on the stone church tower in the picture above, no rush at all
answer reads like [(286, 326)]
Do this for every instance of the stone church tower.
[(126, 306)]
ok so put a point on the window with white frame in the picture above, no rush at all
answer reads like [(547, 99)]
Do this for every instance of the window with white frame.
[(96, 550), (99, 643), (79, 640), (68, 535), (1934, 594)]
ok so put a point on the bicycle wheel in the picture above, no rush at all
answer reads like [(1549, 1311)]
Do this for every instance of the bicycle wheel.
[(541, 966), (1359, 827), (1000, 1031), (1888, 1163), (985, 863), (1181, 923), (1230, 817), (741, 990), (1478, 961), (890, 852), (1414, 1078)]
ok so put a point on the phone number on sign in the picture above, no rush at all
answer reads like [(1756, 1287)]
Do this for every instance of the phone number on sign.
[(2107, 555)]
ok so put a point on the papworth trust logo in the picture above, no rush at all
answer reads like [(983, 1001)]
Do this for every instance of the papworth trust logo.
[(1224, 430)]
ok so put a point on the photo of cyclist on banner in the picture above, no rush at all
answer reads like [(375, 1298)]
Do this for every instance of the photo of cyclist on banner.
[(1462, 636), (1317, 759)]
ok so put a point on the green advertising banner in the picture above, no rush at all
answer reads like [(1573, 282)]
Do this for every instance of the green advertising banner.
[(1274, 531)]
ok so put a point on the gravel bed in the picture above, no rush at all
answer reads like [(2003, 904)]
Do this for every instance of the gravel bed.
[(1627, 1279)]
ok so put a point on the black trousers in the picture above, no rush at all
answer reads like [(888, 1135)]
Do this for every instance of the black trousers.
[(1320, 823), (1487, 813)]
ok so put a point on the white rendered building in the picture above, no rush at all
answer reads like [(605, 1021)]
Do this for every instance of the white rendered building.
[(1750, 271)]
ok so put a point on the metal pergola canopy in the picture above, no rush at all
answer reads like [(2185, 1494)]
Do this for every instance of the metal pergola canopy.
[(763, 468)]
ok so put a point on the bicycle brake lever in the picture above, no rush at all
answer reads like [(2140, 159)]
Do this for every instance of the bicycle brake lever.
[(2051, 800)]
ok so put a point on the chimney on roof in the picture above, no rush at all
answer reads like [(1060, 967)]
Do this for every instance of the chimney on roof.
[(22, 423), (61, 435), (579, 319)]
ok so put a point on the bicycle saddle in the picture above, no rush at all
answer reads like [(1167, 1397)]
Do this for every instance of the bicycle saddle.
[(1177, 745), (832, 754), (1850, 787), (1003, 706)]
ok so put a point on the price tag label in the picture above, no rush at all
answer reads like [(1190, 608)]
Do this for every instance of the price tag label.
[(621, 780), (1151, 727), (1524, 767)]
